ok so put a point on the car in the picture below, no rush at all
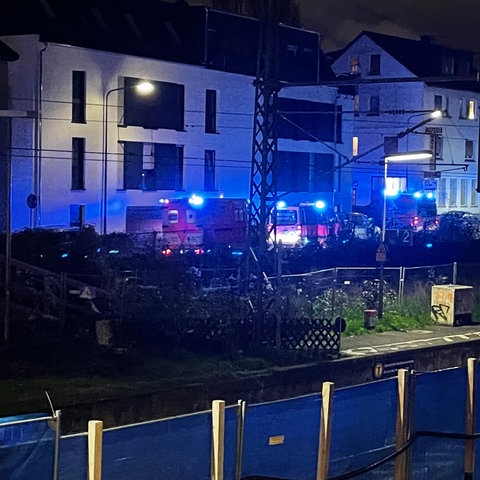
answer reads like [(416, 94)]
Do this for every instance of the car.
[(358, 225), (459, 224)]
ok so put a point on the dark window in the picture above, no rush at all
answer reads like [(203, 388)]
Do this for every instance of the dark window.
[(77, 216), (438, 102), (469, 150), (78, 97), (390, 145), (322, 172), (133, 165), (167, 171), (209, 170), (78, 163), (374, 65), (304, 172), (374, 105), (162, 108), (211, 111), (305, 120)]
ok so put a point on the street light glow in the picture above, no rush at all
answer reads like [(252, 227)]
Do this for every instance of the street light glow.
[(409, 156), (145, 88)]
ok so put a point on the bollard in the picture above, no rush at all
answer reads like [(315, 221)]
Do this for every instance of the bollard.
[(370, 318)]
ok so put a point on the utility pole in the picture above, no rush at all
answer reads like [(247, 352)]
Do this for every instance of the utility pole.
[(263, 185)]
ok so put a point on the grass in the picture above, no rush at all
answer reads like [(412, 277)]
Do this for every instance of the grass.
[(94, 377)]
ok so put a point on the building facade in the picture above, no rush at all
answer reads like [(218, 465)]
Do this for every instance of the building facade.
[(92, 146), (403, 82)]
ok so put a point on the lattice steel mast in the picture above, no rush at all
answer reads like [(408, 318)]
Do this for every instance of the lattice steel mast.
[(263, 185)]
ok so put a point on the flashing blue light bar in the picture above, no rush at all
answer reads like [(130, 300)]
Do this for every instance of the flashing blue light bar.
[(320, 204), (196, 200)]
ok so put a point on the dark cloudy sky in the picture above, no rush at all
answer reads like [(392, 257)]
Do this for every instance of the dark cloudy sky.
[(454, 23)]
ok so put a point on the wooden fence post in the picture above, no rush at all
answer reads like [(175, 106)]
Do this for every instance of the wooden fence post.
[(95, 435), (218, 434), (470, 419), (325, 431), (404, 416)]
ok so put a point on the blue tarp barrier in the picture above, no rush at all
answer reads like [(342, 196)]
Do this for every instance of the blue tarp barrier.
[(280, 438), (27, 449)]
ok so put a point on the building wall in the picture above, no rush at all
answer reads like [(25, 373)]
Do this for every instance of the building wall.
[(51, 175), (402, 105)]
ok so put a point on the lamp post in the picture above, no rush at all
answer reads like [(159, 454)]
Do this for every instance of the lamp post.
[(381, 255), (143, 88)]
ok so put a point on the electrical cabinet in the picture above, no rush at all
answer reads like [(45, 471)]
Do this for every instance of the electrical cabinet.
[(452, 304)]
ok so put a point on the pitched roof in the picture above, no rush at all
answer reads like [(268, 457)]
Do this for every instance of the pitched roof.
[(426, 59)]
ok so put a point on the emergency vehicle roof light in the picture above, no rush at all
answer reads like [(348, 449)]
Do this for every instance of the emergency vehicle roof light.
[(320, 204), (196, 200)]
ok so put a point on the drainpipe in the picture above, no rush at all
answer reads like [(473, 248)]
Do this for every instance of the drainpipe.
[(35, 217)]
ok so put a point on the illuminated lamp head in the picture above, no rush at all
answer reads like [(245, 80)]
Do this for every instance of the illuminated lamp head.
[(281, 204), (430, 195), (196, 200), (320, 204), (164, 201), (390, 192), (417, 195)]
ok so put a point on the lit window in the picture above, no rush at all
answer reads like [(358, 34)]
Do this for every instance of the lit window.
[(471, 110), (354, 65), (354, 146)]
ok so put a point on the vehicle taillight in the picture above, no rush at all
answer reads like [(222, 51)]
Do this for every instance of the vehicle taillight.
[(415, 221), (167, 251)]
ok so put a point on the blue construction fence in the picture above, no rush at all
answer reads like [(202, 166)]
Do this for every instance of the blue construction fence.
[(277, 439)]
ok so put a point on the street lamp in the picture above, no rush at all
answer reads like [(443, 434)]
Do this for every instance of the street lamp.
[(381, 255), (143, 88)]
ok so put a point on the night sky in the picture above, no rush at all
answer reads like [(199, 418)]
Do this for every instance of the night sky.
[(453, 23)]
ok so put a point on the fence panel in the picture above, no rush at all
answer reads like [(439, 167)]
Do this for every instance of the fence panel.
[(281, 438), (363, 428), (73, 463), (440, 399), (27, 449)]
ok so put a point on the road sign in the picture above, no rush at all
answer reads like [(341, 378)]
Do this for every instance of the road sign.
[(432, 174)]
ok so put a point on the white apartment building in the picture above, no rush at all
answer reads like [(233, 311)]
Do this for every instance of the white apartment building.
[(405, 80), (89, 146)]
